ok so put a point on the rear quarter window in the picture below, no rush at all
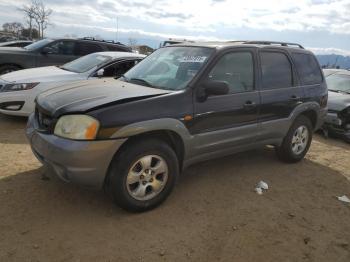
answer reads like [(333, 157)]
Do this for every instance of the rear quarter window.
[(308, 69)]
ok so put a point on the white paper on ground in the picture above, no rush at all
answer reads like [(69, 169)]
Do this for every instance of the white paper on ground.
[(344, 199), (263, 185)]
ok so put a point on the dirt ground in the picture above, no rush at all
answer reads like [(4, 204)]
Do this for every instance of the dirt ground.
[(212, 215)]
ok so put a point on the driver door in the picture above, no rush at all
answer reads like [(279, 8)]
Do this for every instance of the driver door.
[(223, 122), (61, 52)]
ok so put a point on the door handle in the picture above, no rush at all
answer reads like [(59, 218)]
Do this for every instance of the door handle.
[(295, 98), (249, 105)]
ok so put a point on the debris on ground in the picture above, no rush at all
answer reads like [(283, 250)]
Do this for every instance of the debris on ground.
[(306, 240), (344, 198), (260, 187)]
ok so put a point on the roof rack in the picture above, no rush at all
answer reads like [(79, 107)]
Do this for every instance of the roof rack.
[(274, 43), (97, 40)]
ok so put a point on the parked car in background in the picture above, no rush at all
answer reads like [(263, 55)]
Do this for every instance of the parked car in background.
[(182, 104), (18, 43), (338, 118), (19, 89), (331, 71), (48, 52)]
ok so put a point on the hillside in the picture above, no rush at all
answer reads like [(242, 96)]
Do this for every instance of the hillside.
[(334, 60)]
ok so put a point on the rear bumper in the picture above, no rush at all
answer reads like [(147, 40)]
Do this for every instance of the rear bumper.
[(321, 118), (81, 162)]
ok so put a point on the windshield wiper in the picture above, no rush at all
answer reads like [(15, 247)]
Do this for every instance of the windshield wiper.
[(140, 80)]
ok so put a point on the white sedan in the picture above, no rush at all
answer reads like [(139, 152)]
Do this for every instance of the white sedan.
[(19, 89)]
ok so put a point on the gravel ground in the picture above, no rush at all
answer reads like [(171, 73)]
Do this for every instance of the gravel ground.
[(212, 215)]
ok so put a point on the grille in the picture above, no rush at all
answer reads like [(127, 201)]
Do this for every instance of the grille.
[(45, 122)]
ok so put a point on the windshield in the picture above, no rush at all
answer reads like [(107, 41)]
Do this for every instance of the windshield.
[(38, 44), (170, 68), (338, 82), (86, 63)]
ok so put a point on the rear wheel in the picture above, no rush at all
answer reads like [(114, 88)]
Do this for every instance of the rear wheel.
[(142, 175), (297, 141), (8, 68)]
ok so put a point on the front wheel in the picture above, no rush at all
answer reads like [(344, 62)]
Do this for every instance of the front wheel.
[(297, 141), (142, 175)]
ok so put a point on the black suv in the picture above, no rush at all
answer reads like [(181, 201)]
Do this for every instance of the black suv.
[(182, 104), (48, 52)]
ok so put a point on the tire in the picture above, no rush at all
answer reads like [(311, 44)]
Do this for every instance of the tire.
[(8, 68), (291, 152), (134, 181)]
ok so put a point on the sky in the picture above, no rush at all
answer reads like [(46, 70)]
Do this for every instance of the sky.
[(320, 25)]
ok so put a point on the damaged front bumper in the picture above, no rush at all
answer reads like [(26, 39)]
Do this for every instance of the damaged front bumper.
[(337, 126)]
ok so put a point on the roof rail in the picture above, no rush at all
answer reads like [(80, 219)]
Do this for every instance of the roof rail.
[(274, 43), (97, 40)]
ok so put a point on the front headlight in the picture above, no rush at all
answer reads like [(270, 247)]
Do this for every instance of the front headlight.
[(78, 127), (18, 87)]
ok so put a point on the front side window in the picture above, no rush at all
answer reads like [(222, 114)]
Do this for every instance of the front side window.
[(63, 47), (308, 69), (170, 68), (338, 82), (276, 70), (86, 63), (118, 69), (237, 70)]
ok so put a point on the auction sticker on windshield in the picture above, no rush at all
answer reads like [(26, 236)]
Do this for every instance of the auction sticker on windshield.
[(192, 59)]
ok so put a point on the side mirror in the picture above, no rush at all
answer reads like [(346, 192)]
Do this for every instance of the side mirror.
[(47, 50), (100, 73), (215, 88), (212, 88)]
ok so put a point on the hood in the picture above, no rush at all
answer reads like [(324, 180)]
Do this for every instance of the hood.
[(9, 49), (86, 95), (39, 74), (338, 101)]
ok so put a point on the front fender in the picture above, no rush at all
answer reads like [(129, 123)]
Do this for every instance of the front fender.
[(162, 124)]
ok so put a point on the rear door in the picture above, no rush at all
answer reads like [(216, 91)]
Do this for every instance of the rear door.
[(228, 121), (280, 93), (63, 51)]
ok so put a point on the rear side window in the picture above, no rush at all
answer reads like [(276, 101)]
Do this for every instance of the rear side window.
[(308, 69), (87, 48), (276, 70)]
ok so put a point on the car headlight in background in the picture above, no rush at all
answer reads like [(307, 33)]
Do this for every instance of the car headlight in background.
[(18, 87), (77, 127)]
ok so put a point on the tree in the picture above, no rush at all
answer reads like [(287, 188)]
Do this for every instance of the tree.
[(29, 11), (42, 16), (30, 33), (14, 28), (37, 12)]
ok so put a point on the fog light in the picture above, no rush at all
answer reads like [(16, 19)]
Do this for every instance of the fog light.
[(13, 107)]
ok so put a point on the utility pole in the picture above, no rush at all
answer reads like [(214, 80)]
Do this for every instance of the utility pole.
[(116, 33)]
